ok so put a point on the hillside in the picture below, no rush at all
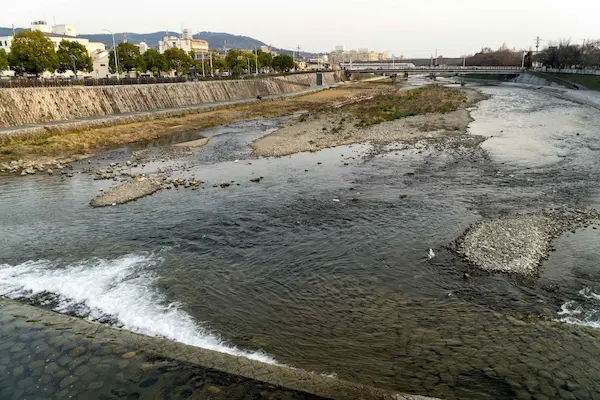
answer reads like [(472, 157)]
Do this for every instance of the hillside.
[(214, 39)]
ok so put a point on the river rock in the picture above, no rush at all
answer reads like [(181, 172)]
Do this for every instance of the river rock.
[(77, 351), (68, 381)]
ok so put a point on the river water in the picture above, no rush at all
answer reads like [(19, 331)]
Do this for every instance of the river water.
[(324, 266)]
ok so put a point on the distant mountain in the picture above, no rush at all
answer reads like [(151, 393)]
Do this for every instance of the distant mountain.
[(216, 40)]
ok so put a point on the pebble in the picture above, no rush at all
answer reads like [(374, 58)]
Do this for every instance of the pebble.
[(214, 389), (129, 355)]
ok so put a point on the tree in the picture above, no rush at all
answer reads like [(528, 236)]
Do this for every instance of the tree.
[(235, 61), (500, 57), (218, 63), (283, 63), (129, 58), (155, 61), (33, 53), (265, 60), (590, 53), (528, 60), (178, 60), (3, 60), (73, 56), (563, 55)]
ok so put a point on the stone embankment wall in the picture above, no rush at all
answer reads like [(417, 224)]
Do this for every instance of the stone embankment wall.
[(22, 106)]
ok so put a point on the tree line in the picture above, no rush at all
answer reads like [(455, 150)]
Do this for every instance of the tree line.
[(562, 54), (235, 62), (31, 52)]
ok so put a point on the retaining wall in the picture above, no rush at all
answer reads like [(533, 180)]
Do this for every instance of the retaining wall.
[(537, 78), (22, 106)]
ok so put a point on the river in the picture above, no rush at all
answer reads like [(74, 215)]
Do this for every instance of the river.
[(324, 264)]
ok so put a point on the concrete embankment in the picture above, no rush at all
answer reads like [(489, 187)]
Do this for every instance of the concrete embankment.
[(22, 106), (541, 79)]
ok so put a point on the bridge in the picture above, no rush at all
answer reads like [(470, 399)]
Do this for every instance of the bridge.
[(402, 68)]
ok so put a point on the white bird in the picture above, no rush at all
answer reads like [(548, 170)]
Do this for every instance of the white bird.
[(431, 254)]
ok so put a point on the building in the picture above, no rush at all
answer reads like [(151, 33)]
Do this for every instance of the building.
[(143, 47), (186, 42), (340, 55), (101, 61), (57, 34)]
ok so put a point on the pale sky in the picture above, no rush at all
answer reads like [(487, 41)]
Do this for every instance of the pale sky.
[(410, 28)]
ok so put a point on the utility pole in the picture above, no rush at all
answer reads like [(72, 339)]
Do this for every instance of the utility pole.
[(211, 65), (537, 44), (256, 59), (294, 57), (436, 60), (203, 74)]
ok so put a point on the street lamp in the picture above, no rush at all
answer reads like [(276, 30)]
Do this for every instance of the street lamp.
[(115, 52)]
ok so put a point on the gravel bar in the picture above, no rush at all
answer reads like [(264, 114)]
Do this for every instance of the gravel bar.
[(519, 244), (128, 191)]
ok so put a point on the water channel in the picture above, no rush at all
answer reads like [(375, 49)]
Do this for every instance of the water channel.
[(324, 266)]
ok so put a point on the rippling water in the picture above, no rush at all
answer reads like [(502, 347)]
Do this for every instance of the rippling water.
[(281, 272)]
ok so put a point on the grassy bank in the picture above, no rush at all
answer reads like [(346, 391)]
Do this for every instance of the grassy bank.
[(428, 112), (591, 82), (429, 99), (68, 145)]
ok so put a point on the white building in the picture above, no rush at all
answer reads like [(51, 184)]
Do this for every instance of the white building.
[(143, 47), (57, 34), (186, 42)]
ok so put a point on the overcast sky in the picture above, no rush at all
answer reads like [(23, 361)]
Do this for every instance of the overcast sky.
[(410, 28)]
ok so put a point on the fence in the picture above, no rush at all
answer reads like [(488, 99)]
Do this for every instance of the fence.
[(43, 82), (60, 82), (571, 71)]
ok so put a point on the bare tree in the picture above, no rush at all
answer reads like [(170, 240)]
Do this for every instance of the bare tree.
[(590, 54)]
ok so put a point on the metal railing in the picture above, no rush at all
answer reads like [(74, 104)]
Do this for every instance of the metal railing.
[(587, 71), (19, 82)]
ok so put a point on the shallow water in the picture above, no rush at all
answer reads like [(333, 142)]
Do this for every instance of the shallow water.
[(281, 272)]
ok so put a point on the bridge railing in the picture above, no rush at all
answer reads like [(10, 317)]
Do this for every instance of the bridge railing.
[(570, 71), (359, 67)]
